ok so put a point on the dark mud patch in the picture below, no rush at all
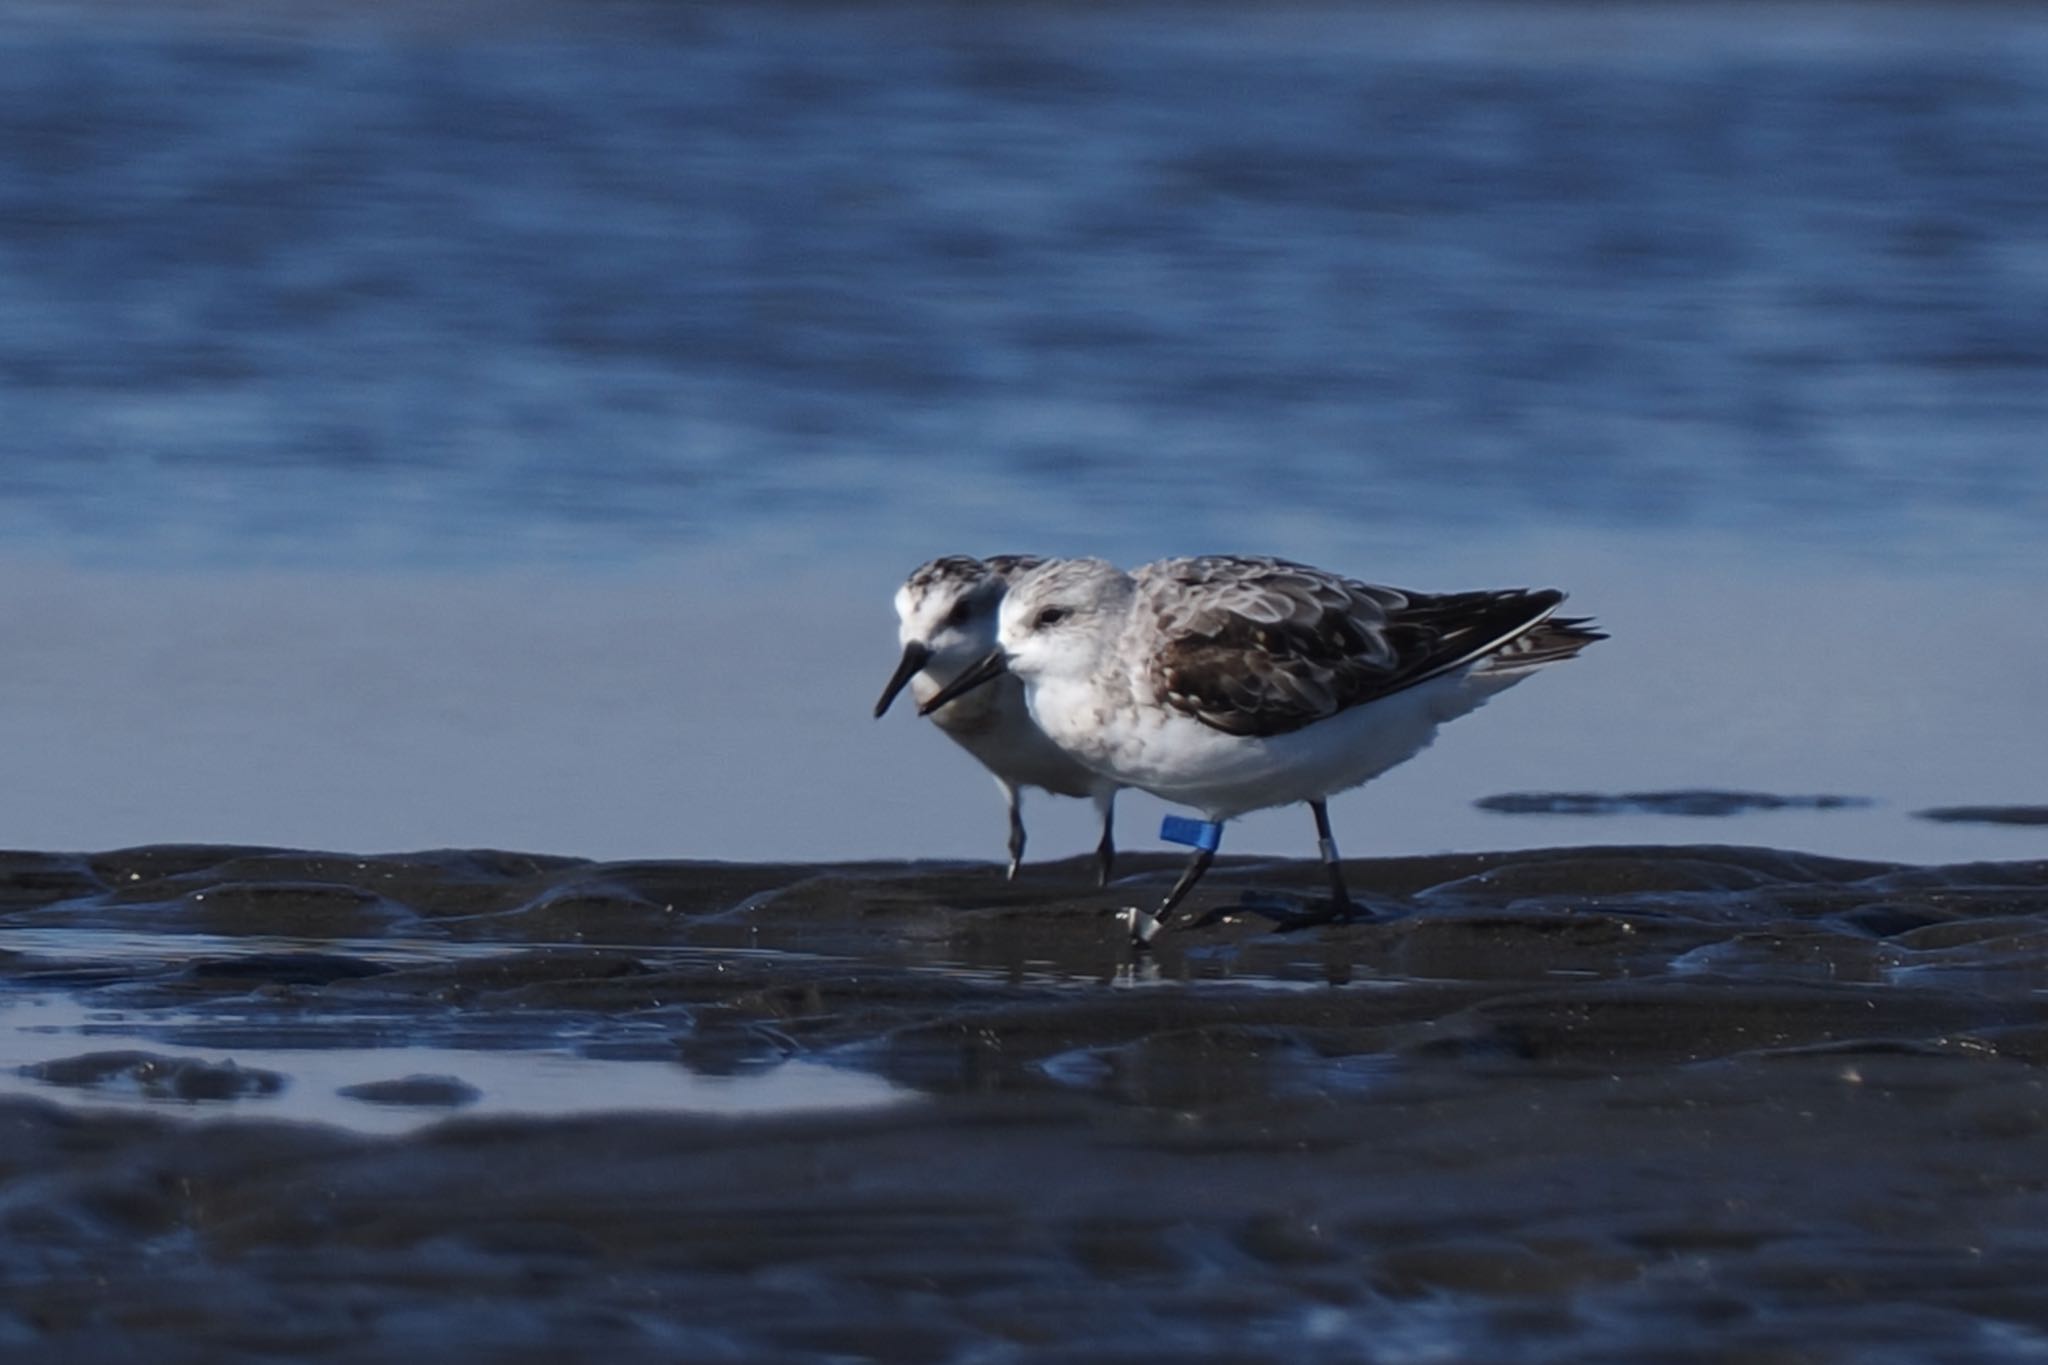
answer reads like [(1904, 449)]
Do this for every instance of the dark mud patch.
[(430, 1092), (1986, 815), (1697, 802), (1551, 1106), (155, 1077)]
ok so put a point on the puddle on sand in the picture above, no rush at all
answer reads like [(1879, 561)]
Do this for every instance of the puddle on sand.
[(70, 1048), (542, 1082), (125, 1019)]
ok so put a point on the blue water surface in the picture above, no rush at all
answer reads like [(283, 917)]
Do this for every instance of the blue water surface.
[(459, 423)]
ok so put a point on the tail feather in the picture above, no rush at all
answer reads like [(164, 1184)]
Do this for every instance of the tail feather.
[(1553, 641)]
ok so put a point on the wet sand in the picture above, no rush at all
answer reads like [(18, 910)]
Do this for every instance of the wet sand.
[(1629, 1104)]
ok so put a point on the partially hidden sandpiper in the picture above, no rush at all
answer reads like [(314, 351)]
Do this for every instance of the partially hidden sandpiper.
[(946, 615)]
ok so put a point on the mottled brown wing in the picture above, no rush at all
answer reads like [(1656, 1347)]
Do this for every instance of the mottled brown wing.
[(1260, 647)]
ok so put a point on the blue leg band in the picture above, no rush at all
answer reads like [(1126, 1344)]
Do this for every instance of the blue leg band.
[(1203, 834)]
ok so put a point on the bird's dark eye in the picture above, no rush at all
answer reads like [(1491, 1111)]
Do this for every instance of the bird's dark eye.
[(958, 616), (1052, 616)]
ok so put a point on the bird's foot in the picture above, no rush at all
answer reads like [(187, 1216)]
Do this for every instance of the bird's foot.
[(1143, 926)]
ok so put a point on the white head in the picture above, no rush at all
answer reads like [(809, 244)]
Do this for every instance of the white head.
[(946, 615), (949, 606), (1057, 621)]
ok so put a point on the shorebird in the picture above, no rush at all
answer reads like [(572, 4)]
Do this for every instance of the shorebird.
[(946, 621), (1233, 683)]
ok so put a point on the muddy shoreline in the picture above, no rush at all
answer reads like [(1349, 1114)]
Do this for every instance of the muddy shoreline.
[(1643, 1104)]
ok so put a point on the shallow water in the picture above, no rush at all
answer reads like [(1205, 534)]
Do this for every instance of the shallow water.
[(684, 712), (444, 284), (437, 427)]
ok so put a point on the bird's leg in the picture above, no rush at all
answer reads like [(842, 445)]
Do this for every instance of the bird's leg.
[(1340, 898), (1205, 835), (1339, 908), (1190, 874), (1105, 852), (1015, 798), (1286, 911)]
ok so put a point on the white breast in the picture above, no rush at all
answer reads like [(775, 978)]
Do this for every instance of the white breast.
[(1177, 758), (993, 724)]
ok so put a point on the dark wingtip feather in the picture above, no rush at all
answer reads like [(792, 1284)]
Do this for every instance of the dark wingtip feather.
[(1552, 641), (1581, 626)]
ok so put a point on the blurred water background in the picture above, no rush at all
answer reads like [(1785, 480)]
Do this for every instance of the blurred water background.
[(470, 424)]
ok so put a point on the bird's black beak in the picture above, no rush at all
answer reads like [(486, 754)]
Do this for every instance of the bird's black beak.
[(915, 656), (990, 667)]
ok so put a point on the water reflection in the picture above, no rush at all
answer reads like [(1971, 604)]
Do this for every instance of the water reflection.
[(678, 713), (59, 1047)]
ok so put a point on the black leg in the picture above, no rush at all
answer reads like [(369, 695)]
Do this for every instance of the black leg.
[(1143, 930), (1105, 852), (1016, 830), (1205, 836), (1339, 908), (1340, 898), (1189, 875), (1285, 911)]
